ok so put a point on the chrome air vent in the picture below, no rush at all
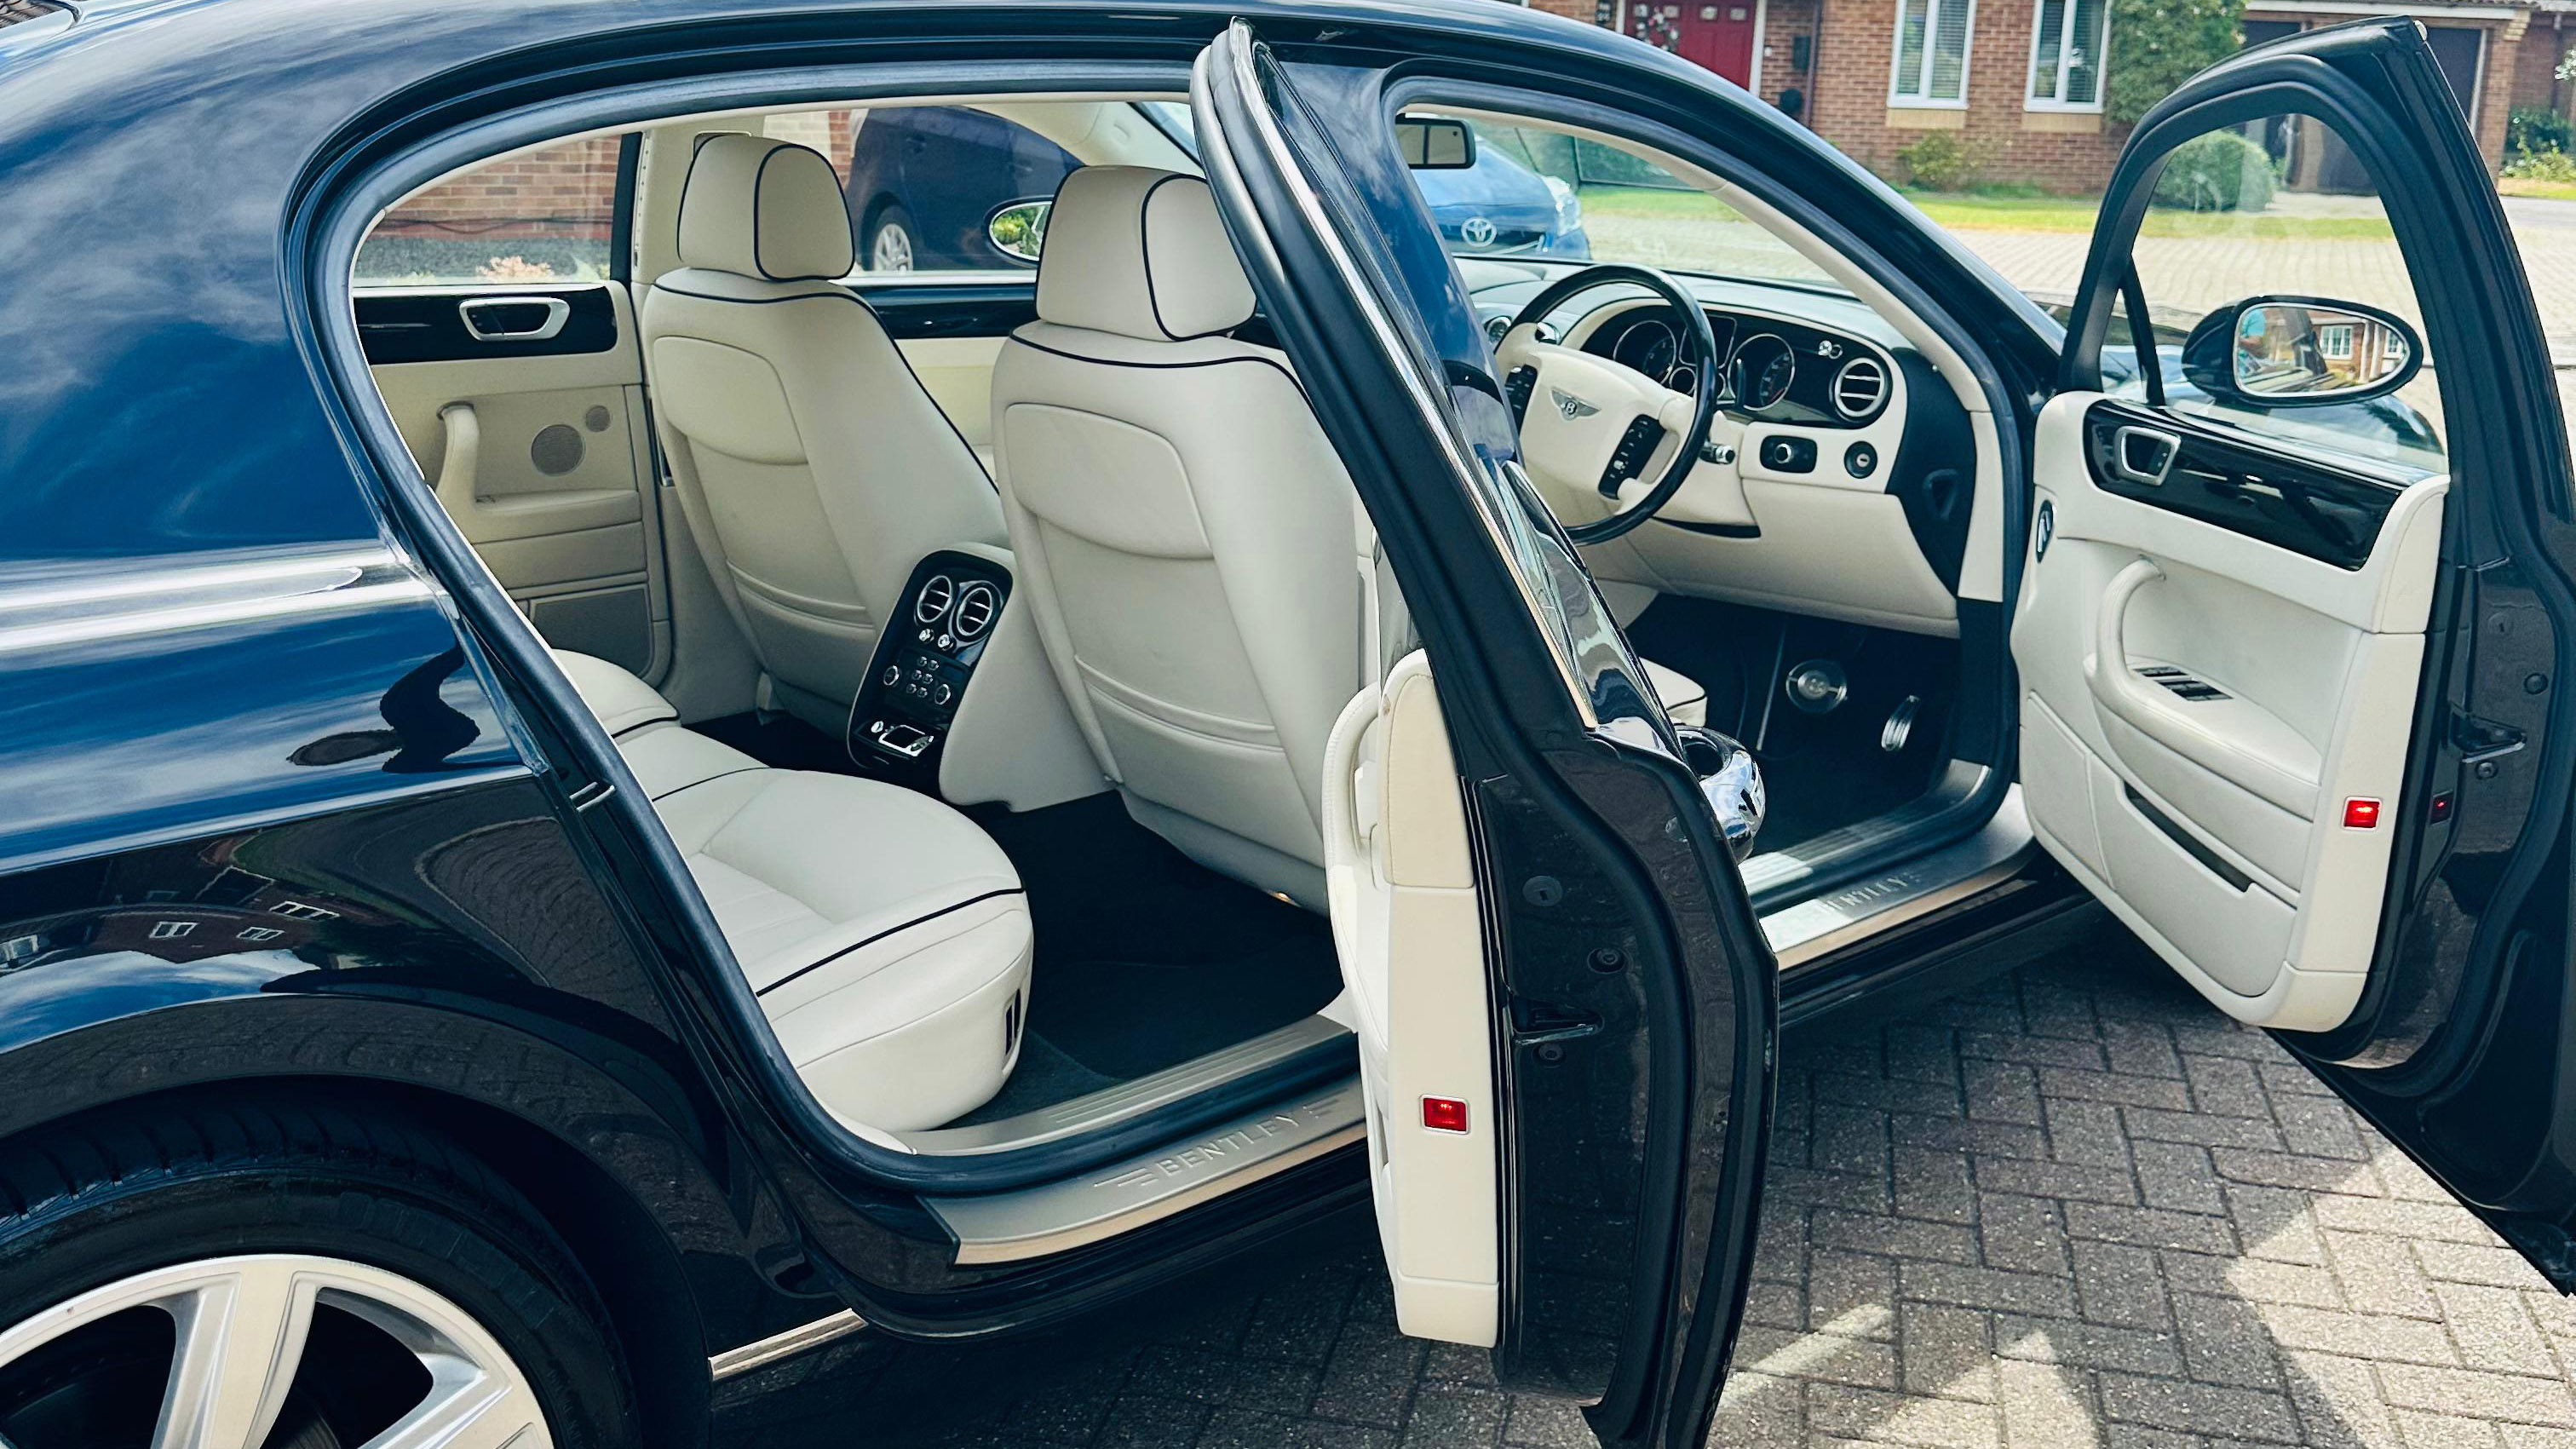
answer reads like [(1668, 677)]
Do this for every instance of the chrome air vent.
[(977, 603), (937, 593), (1860, 389)]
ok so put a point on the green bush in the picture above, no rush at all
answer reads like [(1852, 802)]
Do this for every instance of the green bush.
[(2555, 166), (2534, 130), (2156, 45), (1937, 161), (2219, 171)]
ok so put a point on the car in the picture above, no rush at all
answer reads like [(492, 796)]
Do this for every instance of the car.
[(567, 839), (926, 184)]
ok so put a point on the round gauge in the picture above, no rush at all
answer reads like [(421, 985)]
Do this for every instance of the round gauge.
[(1649, 346), (1761, 372), (1683, 379)]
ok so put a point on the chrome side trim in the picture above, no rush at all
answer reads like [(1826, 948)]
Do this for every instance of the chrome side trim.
[(1054, 1217), (1772, 875), (141, 602), (1814, 928), (767, 1351), (1097, 1110)]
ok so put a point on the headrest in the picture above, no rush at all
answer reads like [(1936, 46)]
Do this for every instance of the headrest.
[(1141, 253), (763, 208)]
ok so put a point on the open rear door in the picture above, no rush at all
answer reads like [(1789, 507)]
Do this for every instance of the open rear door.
[(1565, 1003), (2294, 622)]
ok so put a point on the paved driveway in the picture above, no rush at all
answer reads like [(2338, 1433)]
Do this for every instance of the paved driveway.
[(2076, 1208)]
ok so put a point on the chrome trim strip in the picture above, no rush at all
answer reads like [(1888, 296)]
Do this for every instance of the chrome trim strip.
[(1770, 875), (557, 309), (1056, 1217), (1095, 1111), (1827, 923), (764, 1352), (136, 603)]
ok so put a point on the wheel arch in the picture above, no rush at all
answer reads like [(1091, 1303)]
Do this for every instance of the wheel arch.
[(634, 1195)]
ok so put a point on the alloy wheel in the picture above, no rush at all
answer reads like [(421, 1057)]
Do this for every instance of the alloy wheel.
[(890, 250), (265, 1351)]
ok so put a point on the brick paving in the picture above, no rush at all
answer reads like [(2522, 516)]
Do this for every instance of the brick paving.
[(2075, 1207)]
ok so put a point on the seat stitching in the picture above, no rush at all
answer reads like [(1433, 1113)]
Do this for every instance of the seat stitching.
[(693, 784)]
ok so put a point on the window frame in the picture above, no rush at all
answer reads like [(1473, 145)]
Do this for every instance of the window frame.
[(1897, 99), (2031, 100)]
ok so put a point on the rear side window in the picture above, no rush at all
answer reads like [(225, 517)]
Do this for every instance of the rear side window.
[(546, 215)]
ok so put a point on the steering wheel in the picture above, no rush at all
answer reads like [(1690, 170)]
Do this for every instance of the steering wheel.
[(1590, 423)]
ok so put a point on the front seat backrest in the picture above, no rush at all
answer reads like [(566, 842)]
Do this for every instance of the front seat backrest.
[(813, 469), (1184, 531)]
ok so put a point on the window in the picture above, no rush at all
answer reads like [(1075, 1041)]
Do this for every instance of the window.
[(172, 930), (2279, 209), (2066, 48), (1540, 194), (546, 215), (1932, 52), (926, 185)]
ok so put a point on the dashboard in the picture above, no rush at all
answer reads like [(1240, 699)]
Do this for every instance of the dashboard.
[(1839, 477), (1772, 370)]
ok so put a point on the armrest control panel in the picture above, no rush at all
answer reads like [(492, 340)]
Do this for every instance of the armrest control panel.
[(924, 661)]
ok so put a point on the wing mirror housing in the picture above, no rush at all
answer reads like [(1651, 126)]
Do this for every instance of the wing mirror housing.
[(1435, 143), (2289, 352), (1017, 229)]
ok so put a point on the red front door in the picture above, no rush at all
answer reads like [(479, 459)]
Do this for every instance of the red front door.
[(1719, 36)]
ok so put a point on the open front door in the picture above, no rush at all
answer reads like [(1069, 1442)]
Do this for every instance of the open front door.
[(2294, 618), (1564, 1001)]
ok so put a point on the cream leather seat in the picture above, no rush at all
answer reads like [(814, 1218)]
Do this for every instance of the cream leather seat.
[(813, 469), (1185, 533), (884, 933)]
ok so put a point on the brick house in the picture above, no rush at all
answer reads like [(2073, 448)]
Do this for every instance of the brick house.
[(1873, 76)]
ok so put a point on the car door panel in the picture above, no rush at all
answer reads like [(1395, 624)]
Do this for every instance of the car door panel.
[(1401, 871), (2284, 669), (2200, 701), (538, 446)]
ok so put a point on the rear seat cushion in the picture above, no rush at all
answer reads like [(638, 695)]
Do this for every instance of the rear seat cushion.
[(884, 933)]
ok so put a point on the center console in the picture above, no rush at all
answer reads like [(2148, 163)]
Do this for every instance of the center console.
[(941, 628)]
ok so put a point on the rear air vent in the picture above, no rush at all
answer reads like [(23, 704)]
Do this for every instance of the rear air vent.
[(977, 603), (1860, 388), (936, 596)]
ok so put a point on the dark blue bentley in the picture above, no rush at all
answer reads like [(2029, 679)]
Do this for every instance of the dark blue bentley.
[(598, 802)]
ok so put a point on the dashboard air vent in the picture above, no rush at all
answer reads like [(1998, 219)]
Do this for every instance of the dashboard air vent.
[(937, 593), (1860, 388), (977, 603)]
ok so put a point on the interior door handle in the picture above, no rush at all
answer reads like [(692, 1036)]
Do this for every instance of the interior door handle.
[(2144, 456), (2182, 728), (505, 319)]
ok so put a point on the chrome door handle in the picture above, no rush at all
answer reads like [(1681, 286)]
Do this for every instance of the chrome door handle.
[(556, 311)]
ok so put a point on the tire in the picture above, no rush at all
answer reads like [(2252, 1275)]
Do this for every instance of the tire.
[(385, 1217), (893, 243)]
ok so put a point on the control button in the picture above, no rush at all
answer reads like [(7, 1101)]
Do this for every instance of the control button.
[(1861, 459), (925, 636), (1718, 453), (942, 695), (893, 673), (1789, 455), (1636, 445), (946, 642)]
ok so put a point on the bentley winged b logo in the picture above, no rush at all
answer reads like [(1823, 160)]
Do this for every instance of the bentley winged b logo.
[(1573, 407)]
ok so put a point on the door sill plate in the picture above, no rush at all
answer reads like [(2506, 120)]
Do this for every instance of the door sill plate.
[(1058, 1216), (1822, 924)]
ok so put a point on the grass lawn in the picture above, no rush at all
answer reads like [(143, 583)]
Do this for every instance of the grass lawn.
[(1976, 211), (2545, 190)]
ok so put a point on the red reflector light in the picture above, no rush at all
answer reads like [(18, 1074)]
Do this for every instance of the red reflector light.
[(2360, 814), (1444, 1114)]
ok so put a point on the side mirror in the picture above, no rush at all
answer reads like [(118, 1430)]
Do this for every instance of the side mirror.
[(1435, 143), (1017, 229), (2287, 352)]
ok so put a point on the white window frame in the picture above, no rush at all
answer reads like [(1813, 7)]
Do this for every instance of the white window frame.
[(2341, 331), (2031, 100), (1896, 99)]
